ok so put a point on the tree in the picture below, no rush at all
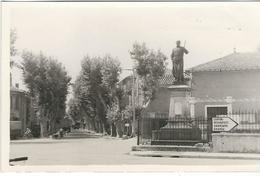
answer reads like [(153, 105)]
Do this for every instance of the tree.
[(94, 89), (48, 82), (150, 66), (13, 38), (13, 52), (114, 116), (74, 109), (116, 113)]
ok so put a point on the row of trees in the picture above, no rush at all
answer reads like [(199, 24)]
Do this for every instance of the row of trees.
[(97, 98)]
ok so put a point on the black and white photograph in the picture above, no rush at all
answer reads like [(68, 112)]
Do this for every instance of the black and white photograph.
[(150, 85)]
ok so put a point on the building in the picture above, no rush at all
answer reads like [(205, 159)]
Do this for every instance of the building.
[(21, 112), (127, 86), (231, 83), (133, 97), (226, 86)]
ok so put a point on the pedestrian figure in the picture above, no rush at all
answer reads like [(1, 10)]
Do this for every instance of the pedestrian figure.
[(28, 133)]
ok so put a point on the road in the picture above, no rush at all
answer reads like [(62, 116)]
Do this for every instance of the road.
[(98, 151)]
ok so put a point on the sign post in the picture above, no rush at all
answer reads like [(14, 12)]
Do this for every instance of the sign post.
[(223, 124)]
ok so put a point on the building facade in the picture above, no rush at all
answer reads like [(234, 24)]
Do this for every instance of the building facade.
[(21, 113), (231, 83)]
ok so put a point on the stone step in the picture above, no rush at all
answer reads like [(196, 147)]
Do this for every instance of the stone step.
[(175, 142), (171, 148)]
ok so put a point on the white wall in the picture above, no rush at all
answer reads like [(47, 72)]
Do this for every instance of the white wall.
[(236, 142)]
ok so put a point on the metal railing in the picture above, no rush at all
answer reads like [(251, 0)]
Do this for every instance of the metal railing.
[(157, 127), (181, 129), (248, 122)]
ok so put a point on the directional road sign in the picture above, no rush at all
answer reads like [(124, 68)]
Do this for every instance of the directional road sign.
[(223, 124)]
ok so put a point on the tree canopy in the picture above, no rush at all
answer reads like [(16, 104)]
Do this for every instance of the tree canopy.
[(13, 38), (150, 66), (47, 81), (95, 87)]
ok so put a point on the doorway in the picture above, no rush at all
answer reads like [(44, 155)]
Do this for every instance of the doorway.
[(213, 111)]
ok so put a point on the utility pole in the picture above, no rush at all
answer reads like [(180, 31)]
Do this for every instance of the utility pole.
[(133, 105), (133, 100)]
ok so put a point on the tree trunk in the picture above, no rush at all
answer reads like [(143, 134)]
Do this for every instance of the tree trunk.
[(92, 125), (44, 130), (53, 127), (102, 101), (100, 127), (43, 122), (113, 130), (97, 126), (134, 128), (102, 114), (88, 124), (119, 129), (104, 129)]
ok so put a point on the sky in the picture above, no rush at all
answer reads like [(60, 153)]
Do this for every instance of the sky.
[(70, 31)]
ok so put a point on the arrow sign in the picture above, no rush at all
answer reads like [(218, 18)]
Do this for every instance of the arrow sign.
[(223, 124)]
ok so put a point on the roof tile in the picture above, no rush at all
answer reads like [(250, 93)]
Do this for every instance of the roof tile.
[(235, 61)]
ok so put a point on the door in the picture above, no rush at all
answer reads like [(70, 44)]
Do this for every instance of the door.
[(213, 112)]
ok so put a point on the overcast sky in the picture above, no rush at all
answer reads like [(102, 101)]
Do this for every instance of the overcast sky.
[(68, 32)]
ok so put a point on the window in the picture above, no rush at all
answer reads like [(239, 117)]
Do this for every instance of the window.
[(11, 99), (17, 103)]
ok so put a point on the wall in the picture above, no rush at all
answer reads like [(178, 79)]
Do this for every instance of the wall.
[(238, 84), (236, 142), (19, 109), (161, 102), (216, 85), (219, 85)]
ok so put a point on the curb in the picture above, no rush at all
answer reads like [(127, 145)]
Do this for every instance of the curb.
[(168, 148), (206, 155)]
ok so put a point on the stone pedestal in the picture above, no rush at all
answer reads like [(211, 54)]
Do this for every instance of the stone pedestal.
[(179, 129), (178, 108)]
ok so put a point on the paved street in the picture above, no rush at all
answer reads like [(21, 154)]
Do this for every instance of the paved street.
[(97, 150)]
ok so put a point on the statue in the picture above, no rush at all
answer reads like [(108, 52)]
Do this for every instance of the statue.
[(177, 62)]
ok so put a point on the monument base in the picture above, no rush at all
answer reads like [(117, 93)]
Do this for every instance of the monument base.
[(177, 132)]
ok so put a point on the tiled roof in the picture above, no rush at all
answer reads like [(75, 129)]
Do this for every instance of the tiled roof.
[(235, 61), (167, 79), (14, 89)]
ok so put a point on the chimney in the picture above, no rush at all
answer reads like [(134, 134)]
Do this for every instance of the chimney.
[(17, 85)]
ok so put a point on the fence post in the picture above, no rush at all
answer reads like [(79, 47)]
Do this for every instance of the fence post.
[(138, 130)]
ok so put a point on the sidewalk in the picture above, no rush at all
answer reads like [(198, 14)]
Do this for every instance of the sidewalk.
[(33, 140), (74, 134), (208, 155), (67, 139)]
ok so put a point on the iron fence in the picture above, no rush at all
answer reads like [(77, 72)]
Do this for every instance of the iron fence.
[(248, 122), (157, 128)]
